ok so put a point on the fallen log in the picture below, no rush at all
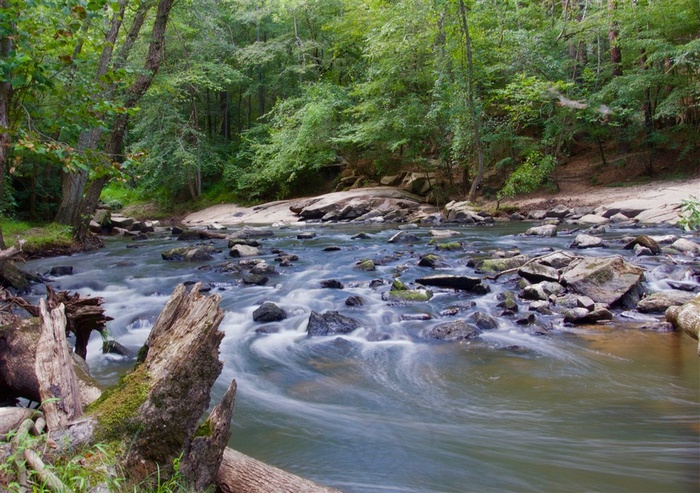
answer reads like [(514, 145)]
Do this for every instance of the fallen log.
[(18, 349), (240, 473)]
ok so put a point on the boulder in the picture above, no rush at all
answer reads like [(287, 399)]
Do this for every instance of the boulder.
[(255, 279), (269, 312), (189, 235), (644, 241), (243, 251), (249, 232), (188, 254), (593, 219), (404, 237), (537, 215), (547, 230), (558, 260), (535, 272), (583, 316), (197, 255), (330, 323), (457, 330), (113, 347), (461, 213), (559, 212), (507, 301), (366, 265), (263, 268), (354, 301), (433, 261), (331, 284), (605, 280), (61, 270), (121, 221), (542, 290), (686, 318), (495, 265), (309, 235), (659, 302), (443, 233), (464, 283), (483, 321), (587, 241), (687, 247)]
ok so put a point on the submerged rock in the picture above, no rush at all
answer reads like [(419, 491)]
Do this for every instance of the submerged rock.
[(330, 323)]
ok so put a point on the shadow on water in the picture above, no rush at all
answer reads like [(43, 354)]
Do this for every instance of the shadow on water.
[(609, 408)]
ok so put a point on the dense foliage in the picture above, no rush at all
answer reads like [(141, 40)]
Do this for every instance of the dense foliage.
[(261, 97)]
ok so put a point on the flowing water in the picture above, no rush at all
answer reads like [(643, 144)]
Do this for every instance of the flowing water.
[(610, 409)]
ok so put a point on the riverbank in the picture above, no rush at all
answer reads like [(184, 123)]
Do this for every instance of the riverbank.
[(660, 199)]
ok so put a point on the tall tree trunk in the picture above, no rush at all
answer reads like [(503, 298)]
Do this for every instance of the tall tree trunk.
[(225, 107), (613, 35), (5, 95), (476, 118), (73, 184), (115, 141)]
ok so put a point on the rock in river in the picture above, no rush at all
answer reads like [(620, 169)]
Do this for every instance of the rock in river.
[(605, 280), (330, 323), (269, 312), (457, 330), (464, 283)]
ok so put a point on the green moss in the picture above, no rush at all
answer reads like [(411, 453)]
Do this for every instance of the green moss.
[(204, 430), (37, 237), (366, 265), (117, 409), (412, 295), (397, 285), (450, 246)]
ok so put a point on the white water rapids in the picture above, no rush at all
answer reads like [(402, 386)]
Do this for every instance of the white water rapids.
[(611, 409)]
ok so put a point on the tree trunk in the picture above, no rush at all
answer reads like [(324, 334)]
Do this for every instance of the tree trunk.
[(613, 35), (58, 384), (115, 142), (5, 95), (239, 473), (476, 118)]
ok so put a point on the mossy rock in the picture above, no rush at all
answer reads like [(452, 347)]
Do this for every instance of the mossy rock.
[(366, 265), (449, 246), (409, 295), (493, 265)]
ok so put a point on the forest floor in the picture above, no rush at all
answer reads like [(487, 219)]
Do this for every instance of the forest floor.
[(586, 181)]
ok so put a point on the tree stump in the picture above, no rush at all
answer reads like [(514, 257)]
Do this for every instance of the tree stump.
[(58, 385), (161, 402)]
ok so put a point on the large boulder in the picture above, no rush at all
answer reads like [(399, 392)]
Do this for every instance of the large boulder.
[(535, 272), (588, 241), (686, 318), (687, 247), (269, 312), (243, 251), (605, 280), (659, 302), (464, 283), (494, 265), (457, 330), (547, 230), (330, 323)]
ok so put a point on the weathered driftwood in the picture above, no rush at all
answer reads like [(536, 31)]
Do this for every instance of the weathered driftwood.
[(202, 458), (687, 318), (180, 365), (58, 384), (239, 473), (18, 347), (83, 314)]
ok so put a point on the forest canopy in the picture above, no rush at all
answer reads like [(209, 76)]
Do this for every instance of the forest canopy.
[(264, 99)]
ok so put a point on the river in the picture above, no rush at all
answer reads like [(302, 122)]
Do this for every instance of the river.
[(611, 408)]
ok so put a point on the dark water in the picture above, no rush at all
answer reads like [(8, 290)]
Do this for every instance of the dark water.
[(610, 409)]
